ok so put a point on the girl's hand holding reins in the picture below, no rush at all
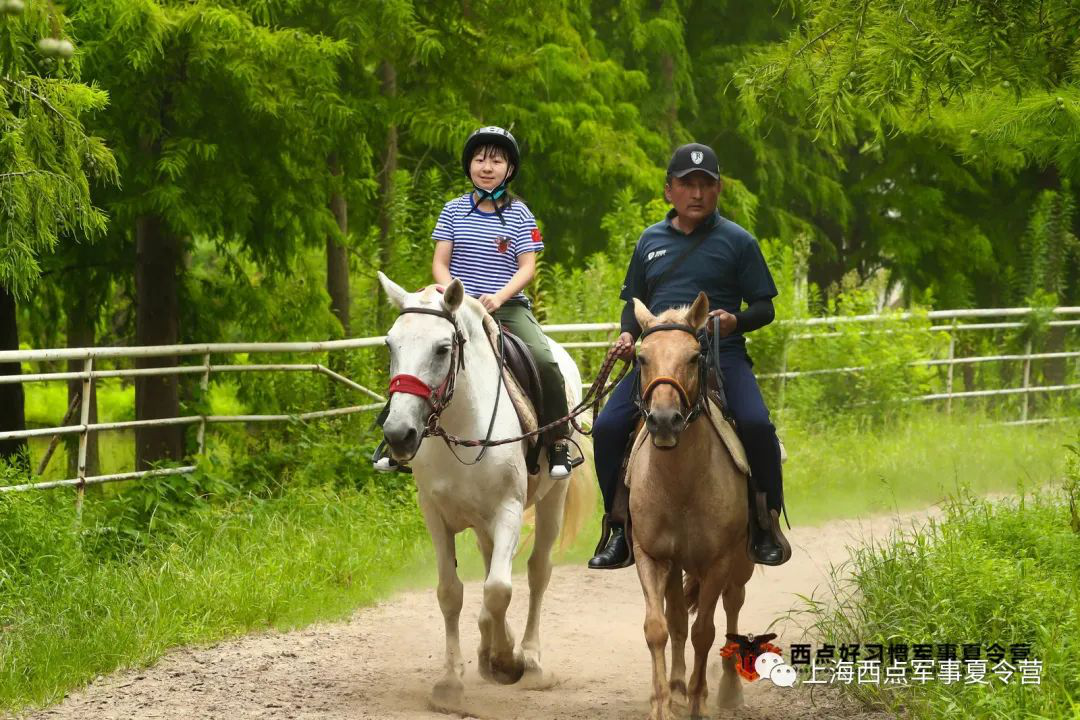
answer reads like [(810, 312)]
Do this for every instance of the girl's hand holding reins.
[(490, 302)]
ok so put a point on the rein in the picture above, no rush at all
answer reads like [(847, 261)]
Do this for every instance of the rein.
[(439, 398)]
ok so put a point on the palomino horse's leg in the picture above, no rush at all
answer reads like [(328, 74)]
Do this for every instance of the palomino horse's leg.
[(730, 694), (675, 610), (506, 666), (702, 636), (653, 575), (449, 692), (549, 512)]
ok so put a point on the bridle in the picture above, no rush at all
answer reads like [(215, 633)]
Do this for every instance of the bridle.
[(692, 409), (439, 397)]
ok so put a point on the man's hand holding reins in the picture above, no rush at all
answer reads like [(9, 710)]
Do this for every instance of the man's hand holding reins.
[(623, 347), (727, 322)]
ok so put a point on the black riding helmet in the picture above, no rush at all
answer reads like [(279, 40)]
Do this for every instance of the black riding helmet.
[(492, 135)]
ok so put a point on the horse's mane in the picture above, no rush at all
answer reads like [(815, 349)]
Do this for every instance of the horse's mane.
[(431, 296), (674, 315)]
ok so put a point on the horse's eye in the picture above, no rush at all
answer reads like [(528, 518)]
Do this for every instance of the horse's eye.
[(642, 360), (442, 349), (695, 359)]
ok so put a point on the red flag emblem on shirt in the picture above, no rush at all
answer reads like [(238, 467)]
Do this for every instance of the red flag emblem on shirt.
[(536, 236)]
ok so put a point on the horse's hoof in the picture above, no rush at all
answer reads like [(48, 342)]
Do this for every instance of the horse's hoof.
[(536, 678), (679, 699), (507, 671), (732, 702), (447, 696), (483, 665)]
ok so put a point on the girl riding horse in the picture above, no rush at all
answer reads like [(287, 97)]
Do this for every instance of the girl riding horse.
[(488, 239)]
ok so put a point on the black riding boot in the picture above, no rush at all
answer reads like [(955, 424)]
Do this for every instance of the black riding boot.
[(613, 550), (767, 545)]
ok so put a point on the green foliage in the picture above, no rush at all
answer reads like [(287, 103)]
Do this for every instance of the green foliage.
[(246, 565), (48, 158), (944, 119), (986, 573)]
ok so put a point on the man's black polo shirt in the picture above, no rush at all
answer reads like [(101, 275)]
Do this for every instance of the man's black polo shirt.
[(728, 266)]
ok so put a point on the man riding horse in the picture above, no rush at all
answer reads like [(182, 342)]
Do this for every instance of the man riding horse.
[(696, 249)]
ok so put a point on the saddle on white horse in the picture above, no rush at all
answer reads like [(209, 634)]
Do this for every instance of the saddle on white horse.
[(519, 375)]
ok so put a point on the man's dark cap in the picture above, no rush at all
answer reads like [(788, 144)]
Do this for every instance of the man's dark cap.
[(691, 157)]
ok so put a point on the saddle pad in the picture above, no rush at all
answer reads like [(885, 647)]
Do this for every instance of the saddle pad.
[(723, 429), (727, 433), (525, 411)]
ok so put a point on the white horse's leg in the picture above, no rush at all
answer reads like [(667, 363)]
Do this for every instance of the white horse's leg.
[(506, 665), (483, 652), (449, 692), (549, 513)]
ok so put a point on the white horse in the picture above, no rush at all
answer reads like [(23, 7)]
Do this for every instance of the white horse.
[(440, 337)]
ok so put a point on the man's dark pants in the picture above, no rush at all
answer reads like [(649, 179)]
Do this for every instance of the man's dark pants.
[(758, 435)]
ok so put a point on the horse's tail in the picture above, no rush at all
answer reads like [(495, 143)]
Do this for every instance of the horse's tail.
[(581, 492), (691, 590)]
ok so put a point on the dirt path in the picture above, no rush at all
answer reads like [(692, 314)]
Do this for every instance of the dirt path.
[(382, 663)]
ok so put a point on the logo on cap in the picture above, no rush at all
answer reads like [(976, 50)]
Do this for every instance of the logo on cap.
[(697, 156)]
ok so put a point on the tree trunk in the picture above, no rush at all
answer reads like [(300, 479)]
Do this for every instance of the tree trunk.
[(81, 320), (337, 257), (12, 411), (386, 186), (156, 323)]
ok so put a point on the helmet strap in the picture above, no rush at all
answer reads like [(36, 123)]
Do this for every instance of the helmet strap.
[(492, 195)]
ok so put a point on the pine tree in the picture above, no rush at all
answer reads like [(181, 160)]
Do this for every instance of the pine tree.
[(48, 161), (212, 114)]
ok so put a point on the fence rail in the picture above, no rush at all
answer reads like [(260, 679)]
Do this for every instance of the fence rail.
[(206, 368)]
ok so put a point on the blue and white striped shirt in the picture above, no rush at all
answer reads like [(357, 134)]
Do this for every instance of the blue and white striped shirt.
[(485, 252)]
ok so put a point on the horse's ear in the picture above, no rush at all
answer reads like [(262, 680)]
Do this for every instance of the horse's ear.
[(699, 312), (453, 296), (394, 292), (644, 317)]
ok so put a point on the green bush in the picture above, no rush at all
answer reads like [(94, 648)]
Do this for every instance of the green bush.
[(1005, 572)]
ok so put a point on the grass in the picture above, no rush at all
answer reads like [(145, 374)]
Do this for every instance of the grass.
[(914, 464), (69, 611), (1005, 572), (282, 530)]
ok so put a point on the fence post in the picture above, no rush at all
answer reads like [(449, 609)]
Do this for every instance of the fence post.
[(783, 374), (84, 436), (949, 371), (204, 385), (1027, 379)]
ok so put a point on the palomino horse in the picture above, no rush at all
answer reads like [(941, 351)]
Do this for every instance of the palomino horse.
[(689, 508), (442, 362)]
